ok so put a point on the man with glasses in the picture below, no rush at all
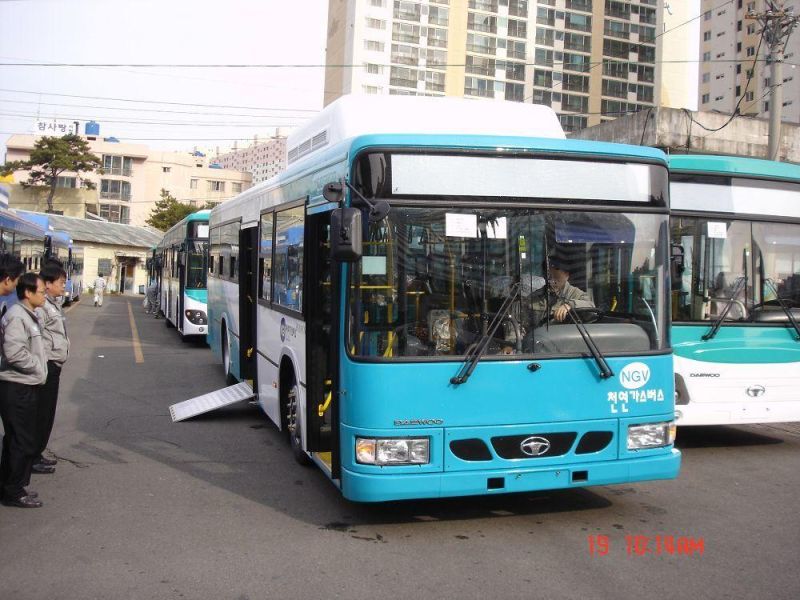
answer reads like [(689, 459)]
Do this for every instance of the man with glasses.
[(22, 371)]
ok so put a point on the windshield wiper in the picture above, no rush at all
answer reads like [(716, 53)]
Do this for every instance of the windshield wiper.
[(605, 370), (785, 308), (476, 351), (716, 325)]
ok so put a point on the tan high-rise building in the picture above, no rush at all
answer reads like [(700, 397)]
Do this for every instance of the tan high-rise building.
[(732, 52), (591, 60)]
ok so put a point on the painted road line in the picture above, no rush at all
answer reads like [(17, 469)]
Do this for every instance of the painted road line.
[(137, 345)]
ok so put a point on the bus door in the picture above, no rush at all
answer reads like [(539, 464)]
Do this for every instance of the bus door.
[(321, 306), (248, 292), (183, 256)]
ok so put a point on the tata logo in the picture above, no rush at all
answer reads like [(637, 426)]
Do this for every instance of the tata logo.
[(535, 446), (634, 375), (754, 391), (283, 329)]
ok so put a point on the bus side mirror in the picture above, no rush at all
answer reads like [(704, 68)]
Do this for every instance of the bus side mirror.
[(346, 234), (677, 265)]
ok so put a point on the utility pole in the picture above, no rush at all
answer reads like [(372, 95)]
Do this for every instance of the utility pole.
[(777, 24)]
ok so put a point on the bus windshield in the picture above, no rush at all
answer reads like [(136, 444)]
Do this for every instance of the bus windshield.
[(197, 267), (745, 263), (432, 278)]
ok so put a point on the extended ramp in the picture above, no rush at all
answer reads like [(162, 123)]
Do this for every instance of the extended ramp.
[(208, 402)]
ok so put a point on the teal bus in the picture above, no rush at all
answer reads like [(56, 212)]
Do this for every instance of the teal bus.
[(736, 291), (180, 262), (397, 299)]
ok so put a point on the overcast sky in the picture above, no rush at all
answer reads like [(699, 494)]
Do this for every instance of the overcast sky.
[(162, 31)]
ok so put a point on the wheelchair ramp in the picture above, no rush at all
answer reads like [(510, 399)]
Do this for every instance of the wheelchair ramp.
[(208, 402)]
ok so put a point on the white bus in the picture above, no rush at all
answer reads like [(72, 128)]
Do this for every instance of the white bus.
[(736, 294), (180, 260)]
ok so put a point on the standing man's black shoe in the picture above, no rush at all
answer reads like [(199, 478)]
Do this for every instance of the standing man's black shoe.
[(42, 469), (48, 462), (24, 502)]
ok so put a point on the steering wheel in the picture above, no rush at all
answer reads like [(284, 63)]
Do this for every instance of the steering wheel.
[(586, 315)]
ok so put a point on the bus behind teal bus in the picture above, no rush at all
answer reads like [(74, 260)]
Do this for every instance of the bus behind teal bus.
[(735, 289)]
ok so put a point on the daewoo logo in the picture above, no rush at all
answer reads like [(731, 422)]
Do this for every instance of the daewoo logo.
[(754, 391), (634, 375), (703, 374), (402, 422)]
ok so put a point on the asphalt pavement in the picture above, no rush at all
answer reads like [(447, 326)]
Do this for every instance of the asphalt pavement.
[(215, 507)]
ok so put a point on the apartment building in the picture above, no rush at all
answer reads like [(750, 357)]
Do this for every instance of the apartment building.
[(590, 60), (129, 183), (733, 62), (263, 160)]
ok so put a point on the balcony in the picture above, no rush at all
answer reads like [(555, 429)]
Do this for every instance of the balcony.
[(123, 171), (481, 93), (400, 82), (124, 196), (481, 49)]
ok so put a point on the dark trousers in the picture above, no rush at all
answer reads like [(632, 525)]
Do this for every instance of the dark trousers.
[(19, 411), (48, 397)]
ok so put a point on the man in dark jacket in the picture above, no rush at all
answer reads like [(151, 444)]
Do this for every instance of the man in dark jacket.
[(22, 371)]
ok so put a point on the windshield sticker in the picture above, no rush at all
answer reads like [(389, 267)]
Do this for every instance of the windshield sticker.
[(717, 230), (457, 225), (373, 265), (497, 229)]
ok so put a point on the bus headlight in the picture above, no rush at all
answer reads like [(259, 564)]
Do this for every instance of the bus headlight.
[(392, 451), (196, 317), (651, 435)]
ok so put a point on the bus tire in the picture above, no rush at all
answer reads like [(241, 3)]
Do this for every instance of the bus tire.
[(293, 421), (226, 356)]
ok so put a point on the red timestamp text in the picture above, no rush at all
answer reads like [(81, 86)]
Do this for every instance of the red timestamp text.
[(646, 545)]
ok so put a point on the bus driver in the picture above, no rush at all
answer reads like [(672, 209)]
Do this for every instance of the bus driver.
[(562, 294)]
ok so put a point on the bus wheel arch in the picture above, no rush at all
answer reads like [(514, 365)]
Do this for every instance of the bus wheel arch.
[(291, 415)]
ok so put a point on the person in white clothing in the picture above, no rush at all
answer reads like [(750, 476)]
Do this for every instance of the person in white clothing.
[(99, 288)]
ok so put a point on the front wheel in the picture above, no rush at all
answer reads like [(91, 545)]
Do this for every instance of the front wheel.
[(293, 425)]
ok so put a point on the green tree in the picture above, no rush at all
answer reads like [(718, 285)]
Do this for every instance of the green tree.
[(169, 211), (52, 156)]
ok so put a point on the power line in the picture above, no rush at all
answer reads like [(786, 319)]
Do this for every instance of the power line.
[(137, 101), (160, 123), (154, 110)]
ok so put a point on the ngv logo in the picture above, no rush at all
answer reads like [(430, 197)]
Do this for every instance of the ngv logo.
[(634, 375)]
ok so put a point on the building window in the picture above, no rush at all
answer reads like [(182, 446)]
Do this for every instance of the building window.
[(706, 56), (705, 99), (113, 189), (706, 36), (117, 165), (236, 187), (66, 182), (115, 213), (374, 69), (376, 23), (193, 184), (750, 51), (166, 169), (374, 46), (216, 186), (706, 77)]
